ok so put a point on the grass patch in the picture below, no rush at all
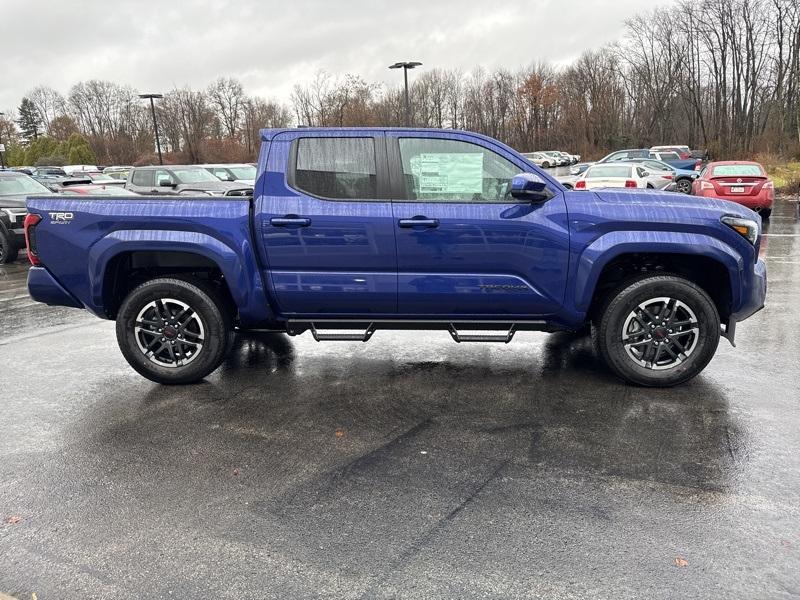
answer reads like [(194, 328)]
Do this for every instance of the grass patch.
[(785, 175)]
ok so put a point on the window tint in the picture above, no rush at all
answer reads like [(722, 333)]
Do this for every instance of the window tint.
[(162, 176), (339, 168), (142, 178), (640, 171), (738, 170), (449, 170)]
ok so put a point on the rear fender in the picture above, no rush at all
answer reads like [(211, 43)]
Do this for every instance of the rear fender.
[(600, 252), (242, 278)]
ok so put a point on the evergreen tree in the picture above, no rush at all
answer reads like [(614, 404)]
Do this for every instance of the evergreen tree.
[(78, 151), (29, 121)]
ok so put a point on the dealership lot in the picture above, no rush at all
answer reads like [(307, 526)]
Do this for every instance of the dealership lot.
[(409, 467)]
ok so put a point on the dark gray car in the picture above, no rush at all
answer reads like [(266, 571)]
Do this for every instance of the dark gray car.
[(14, 188), (181, 179)]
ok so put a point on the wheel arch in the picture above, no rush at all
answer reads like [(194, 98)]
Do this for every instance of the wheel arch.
[(123, 259), (704, 260)]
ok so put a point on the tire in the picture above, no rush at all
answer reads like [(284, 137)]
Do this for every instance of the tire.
[(8, 253), (683, 186), (698, 331), (155, 304), (765, 213), (545, 165)]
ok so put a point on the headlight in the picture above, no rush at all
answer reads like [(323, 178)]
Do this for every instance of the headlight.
[(747, 228)]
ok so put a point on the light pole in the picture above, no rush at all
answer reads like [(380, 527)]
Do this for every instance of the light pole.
[(151, 97), (2, 152), (406, 66)]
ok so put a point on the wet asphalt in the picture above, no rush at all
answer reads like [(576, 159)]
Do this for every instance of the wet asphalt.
[(408, 467)]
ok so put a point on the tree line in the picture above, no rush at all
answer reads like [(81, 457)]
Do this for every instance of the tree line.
[(722, 75)]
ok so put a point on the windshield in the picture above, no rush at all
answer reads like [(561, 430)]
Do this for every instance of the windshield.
[(198, 175), (609, 171), (19, 185), (738, 171), (243, 172)]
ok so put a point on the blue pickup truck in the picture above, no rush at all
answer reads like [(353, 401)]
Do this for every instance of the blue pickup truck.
[(354, 230)]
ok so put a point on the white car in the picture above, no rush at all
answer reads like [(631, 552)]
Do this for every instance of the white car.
[(540, 159), (73, 169), (237, 173), (614, 175), (671, 148)]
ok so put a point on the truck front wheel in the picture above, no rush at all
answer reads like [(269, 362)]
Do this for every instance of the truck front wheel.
[(174, 331), (660, 330)]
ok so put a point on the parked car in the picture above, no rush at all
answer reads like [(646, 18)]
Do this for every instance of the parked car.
[(628, 155), (179, 179), (558, 159), (48, 172), (80, 169), (97, 190), (117, 172), (100, 178), (683, 152), (572, 158), (623, 175), (242, 174), (743, 182), (681, 178), (540, 159), (447, 230), (14, 188)]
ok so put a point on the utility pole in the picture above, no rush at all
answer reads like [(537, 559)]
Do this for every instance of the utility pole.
[(406, 66), (152, 97)]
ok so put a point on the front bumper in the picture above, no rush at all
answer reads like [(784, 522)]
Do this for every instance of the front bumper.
[(752, 299)]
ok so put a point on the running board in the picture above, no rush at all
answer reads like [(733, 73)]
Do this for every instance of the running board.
[(460, 331), (459, 336), (341, 337)]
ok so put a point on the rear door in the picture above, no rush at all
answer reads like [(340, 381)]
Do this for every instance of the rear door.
[(325, 224), (142, 181), (464, 246)]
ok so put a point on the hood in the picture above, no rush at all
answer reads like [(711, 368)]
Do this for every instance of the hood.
[(212, 186), (18, 200), (653, 198)]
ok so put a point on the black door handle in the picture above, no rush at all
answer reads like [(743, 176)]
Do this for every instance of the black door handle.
[(418, 222), (284, 221)]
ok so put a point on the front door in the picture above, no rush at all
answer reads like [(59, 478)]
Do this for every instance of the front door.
[(325, 224), (464, 245)]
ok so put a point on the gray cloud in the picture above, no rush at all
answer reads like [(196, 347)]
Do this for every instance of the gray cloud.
[(272, 45)]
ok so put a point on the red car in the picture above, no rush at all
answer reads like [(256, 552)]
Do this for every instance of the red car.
[(739, 181), (97, 190)]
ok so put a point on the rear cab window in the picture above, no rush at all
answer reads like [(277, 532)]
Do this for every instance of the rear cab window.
[(335, 168)]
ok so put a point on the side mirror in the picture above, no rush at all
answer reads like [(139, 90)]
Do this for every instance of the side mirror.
[(165, 183), (529, 188)]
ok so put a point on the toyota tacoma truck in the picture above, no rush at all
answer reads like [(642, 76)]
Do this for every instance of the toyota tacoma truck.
[(350, 231)]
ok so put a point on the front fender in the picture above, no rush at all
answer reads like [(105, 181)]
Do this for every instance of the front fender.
[(600, 252), (238, 268)]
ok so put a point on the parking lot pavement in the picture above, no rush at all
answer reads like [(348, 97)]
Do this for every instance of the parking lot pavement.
[(408, 467)]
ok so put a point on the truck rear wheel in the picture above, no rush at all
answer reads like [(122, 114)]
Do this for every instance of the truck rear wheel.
[(174, 331), (660, 330)]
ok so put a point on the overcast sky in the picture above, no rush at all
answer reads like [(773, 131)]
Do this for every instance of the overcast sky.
[(270, 46)]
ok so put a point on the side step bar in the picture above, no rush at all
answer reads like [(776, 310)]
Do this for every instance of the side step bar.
[(324, 330), (342, 337)]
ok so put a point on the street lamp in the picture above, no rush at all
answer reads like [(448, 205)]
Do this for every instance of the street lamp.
[(152, 97), (406, 66), (2, 161)]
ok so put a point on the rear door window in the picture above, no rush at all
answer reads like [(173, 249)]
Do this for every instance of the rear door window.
[(336, 168), (143, 178)]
